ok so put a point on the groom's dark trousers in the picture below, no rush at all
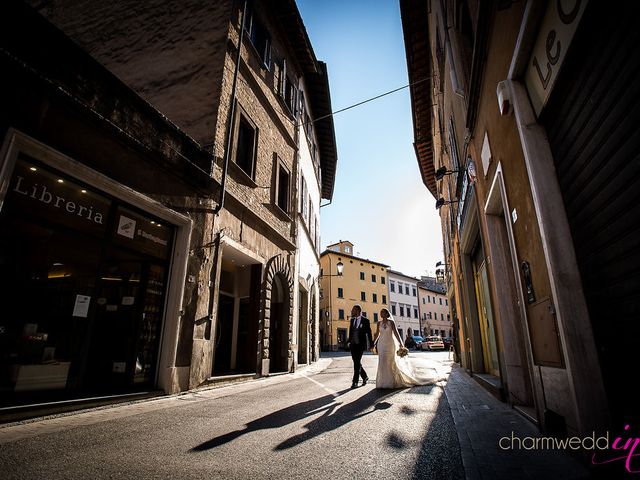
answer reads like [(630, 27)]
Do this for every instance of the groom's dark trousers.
[(356, 355), (359, 341)]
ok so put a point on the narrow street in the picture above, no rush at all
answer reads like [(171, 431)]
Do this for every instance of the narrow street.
[(308, 425)]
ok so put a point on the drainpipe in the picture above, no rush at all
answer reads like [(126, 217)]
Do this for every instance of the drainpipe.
[(227, 152), (225, 167)]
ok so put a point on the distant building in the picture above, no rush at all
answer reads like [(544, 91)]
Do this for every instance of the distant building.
[(362, 282), (435, 316), (403, 303)]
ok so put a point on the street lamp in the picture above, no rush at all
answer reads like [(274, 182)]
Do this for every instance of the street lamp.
[(339, 268), (441, 201), (440, 272), (442, 171)]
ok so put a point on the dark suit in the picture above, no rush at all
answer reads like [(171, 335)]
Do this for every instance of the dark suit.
[(360, 339)]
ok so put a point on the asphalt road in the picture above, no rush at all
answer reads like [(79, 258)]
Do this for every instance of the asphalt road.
[(307, 425)]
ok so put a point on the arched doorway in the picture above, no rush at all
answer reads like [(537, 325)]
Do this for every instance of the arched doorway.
[(313, 326), (303, 327), (279, 325)]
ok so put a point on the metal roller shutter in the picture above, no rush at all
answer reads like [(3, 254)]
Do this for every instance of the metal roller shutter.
[(593, 122)]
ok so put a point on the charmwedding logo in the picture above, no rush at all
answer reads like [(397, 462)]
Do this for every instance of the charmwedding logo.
[(622, 449)]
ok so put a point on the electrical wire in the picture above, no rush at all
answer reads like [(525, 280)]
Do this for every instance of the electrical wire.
[(365, 101)]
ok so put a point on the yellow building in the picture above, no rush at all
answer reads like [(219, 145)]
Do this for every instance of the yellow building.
[(361, 281)]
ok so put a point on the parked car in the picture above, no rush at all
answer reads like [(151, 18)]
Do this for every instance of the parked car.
[(418, 339), (432, 343), (448, 342)]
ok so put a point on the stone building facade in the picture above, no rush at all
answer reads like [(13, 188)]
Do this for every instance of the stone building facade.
[(519, 131), (151, 110)]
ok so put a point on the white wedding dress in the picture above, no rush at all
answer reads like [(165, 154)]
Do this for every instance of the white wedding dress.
[(393, 371)]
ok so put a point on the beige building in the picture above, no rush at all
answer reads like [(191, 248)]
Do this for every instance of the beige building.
[(361, 281), (435, 317), (531, 155)]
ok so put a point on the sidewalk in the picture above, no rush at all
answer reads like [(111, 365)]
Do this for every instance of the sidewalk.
[(481, 420)]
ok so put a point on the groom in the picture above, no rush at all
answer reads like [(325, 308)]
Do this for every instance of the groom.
[(360, 339)]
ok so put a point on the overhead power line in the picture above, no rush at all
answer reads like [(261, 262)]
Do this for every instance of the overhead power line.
[(365, 101)]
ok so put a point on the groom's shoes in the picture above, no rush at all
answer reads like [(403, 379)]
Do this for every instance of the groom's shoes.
[(365, 380), (354, 385)]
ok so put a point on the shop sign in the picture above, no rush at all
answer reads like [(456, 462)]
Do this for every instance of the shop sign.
[(142, 233), (558, 27), (46, 194)]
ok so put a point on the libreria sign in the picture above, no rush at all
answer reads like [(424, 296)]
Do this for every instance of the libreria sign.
[(42, 194)]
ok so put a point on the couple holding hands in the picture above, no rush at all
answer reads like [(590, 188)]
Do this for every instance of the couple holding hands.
[(394, 371)]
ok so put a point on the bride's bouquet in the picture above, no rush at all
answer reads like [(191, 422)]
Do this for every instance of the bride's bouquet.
[(403, 352)]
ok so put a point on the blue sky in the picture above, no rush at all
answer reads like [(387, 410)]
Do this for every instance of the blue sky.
[(380, 203)]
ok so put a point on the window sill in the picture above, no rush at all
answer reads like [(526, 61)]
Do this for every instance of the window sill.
[(252, 47), (241, 176), (282, 213)]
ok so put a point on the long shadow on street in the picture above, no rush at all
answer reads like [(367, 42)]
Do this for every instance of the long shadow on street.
[(439, 455), (336, 415)]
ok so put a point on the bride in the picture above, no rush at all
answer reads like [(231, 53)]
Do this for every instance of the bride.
[(393, 371)]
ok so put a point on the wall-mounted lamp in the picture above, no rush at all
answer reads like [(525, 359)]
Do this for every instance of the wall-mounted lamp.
[(440, 272), (441, 201), (339, 268), (442, 171)]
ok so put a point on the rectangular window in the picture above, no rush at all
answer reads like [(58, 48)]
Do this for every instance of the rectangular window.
[(375, 298), (415, 292), (442, 317), (406, 289), (341, 314), (448, 318), (375, 317), (291, 96), (364, 314), (382, 280), (416, 332), (428, 299), (245, 147), (393, 309), (373, 278), (384, 299), (440, 300), (259, 37), (361, 275), (423, 300), (399, 288), (303, 196), (401, 311), (392, 286), (415, 313), (446, 302), (363, 296), (282, 188), (340, 293)]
